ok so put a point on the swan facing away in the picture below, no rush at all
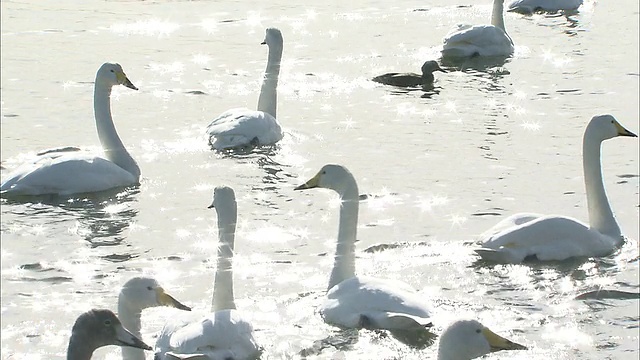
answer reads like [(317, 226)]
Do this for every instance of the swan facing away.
[(531, 6), (137, 294), (67, 170), (361, 301), (411, 79), (556, 237), (469, 339), (97, 328), (480, 40), (223, 334), (243, 127)]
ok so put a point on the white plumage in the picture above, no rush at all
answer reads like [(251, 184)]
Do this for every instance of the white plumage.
[(530, 6), (556, 237)]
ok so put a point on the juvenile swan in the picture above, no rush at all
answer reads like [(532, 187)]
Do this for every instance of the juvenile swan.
[(469, 339), (242, 127), (137, 294), (556, 237), (223, 334), (411, 79), (65, 171), (482, 40), (361, 301), (97, 328)]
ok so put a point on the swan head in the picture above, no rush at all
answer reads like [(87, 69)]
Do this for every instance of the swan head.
[(334, 177), (273, 36), (430, 66), (605, 127), (145, 292), (468, 339), (112, 75), (101, 327), (223, 198)]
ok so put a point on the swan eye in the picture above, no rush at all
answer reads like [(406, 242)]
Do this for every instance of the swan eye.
[(324, 172), (478, 331), (149, 288), (111, 70), (107, 322)]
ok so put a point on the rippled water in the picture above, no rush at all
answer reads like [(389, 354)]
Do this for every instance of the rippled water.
[(438, 167)]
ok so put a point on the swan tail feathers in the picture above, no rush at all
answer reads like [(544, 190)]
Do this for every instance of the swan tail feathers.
[(394, 321)]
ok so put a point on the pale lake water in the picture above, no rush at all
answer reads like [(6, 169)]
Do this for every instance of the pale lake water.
[(437, 168)]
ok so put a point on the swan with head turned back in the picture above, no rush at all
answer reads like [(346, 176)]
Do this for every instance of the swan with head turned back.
[(137, 294), (469, 339), (243, 127), (97, 328), (224, 334), (556, 237), (362, 301), (531, 6), (480, 40), (66, 170), (411, 79)]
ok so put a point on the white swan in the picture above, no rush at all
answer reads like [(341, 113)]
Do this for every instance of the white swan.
[(469, 339), (223, 334), (530, 6), (482, 40), (555, 237), (361, 301), (66, 171), (97, 328), (241, 127), (137, 294)]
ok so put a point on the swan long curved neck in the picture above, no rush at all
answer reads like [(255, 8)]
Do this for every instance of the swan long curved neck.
[(111, 144), (80, 347), (601, 216), (130, 318), (344, 260), (223, 283), (497, 16), (268, 100)]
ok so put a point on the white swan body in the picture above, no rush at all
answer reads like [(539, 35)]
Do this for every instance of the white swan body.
[(66, 171), (361, 301), (480, 40), (530, 6), (242, 127), (555, 237), (137, 294), (469, 339), (224, 334)]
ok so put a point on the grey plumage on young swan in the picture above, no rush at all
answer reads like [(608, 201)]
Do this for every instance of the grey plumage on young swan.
[(411, 79), (97, 328)]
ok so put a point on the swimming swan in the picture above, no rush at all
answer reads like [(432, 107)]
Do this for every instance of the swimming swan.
[(361, 301), (97, 328), (137, 294), (67, 170), (482, 40), (224, 334), (469, 339), (555, 237), (241, 127), (531, 6), (411, 79)]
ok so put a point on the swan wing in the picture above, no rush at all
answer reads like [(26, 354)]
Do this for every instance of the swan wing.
[(66, 172), (241, 127), (509, 222), (546, 238), (381, 303), (220, 335), (483, 40)]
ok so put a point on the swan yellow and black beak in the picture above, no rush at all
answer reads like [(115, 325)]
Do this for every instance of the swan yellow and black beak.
[(165, 299), (312, 183), (498, 343), (124, 80), (624, 132), (125, 338)]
